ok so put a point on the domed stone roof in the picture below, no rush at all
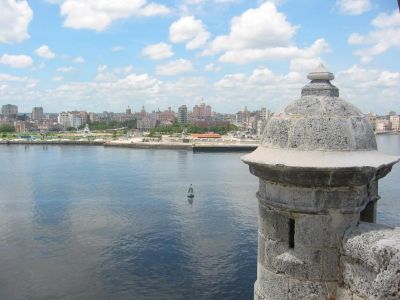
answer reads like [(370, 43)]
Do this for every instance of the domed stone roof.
[(320, 120), (319, 130)]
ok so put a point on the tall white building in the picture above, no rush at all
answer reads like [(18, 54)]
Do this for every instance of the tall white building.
[(75, 119), (63, 119), (69, 119)]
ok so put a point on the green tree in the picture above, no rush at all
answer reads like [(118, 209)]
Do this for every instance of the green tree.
[(7, 128)]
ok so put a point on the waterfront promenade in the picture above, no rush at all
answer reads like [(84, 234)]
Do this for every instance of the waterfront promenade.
[(198, 146)]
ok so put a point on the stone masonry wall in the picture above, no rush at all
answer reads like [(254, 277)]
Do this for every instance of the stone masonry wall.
[(370, 263)]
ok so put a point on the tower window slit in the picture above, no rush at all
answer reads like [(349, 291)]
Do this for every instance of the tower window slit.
[(291, 233)]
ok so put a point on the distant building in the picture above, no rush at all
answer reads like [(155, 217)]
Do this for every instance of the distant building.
[(263, 114), (75, 119), (372, 120), (9, 110), (183, 114), (128, 111), (84, 117), (70, 119), (243, 117), (202, 111), (395, 121), (166, 116), (37, 113), (145, 124), (382, 125), (93, 117), (63, 120)]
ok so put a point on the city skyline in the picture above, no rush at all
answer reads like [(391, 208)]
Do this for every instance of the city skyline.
[(172, 53)]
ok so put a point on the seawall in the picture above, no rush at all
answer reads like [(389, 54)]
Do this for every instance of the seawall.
[(199, 147)]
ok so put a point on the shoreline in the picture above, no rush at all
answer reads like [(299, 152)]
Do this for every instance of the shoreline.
[(387, 133), (194, 147)]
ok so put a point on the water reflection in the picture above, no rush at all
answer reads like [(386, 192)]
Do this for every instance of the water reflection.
[(111, 224)]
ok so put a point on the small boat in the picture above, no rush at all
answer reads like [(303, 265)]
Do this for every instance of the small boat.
[(190, 192)]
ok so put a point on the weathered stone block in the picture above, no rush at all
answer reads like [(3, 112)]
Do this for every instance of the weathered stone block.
[(272, 224), (371, 261), (322, 231), (271, 286), (343, 294), (273, 249), (307, 264), (314, 231), (319, 200), (310, 290)]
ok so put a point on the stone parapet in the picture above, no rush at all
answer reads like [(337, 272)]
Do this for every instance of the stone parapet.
[(370, 262)]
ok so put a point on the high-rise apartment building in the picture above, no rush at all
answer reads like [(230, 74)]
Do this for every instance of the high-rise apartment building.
[(183, 114), (263, 114), (37, 113), (9, 110)]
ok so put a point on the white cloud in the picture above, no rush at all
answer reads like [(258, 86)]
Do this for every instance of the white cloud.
[(45, 52), (98, 15), (158, 51), (304, 64), (104, 75), (101, 68), (355, 39), (353, 7), (261, 33), (370, 89), (16, 61), (64, 69), (385, 20), (7, 77), (154, 9), (384, 36), (175, 67), (256, 28), (100, 95), (117, 48), (15, 17), (367, 78), (211, 68), (58, 78), (263, 86), (193, 7), (231, 80), (190, 31), (79, 60), (15, 84), (249, 55)]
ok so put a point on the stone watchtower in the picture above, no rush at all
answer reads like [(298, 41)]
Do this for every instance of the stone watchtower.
[(318, 169)]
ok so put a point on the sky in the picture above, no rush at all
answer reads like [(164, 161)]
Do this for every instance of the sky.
[(106, 55)]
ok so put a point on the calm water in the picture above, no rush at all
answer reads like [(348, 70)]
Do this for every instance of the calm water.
[(108, 223)]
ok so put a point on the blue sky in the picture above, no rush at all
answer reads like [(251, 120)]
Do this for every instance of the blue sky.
[(100, 55)]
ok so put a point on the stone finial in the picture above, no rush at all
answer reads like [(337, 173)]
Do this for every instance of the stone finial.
[(320, 73)]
